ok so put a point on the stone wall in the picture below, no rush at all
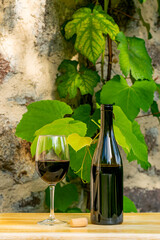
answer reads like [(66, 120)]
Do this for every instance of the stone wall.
[(143, 187), (31, 48)]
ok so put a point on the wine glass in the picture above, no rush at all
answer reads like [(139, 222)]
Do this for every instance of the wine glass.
[(52, 163)]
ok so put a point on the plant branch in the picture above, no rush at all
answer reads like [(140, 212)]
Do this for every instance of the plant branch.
[(155, 79), (149, 115), (96, 2), (102, 66), (106, 3), (109, 58), (117, 10)]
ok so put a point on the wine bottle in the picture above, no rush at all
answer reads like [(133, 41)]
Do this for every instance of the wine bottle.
[(107, 175)]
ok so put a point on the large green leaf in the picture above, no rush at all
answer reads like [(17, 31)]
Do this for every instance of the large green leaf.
[(80, 161), (128, 205), (64, 126), (133, 57), (130, 99), (130, 138), (70, 79), (90, 25), (131, 156), (64, 196), (39, 114), (82, 113)]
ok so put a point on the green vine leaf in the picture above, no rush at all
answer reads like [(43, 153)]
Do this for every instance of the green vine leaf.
[(145, 24), (128, 205), (158, 88), (155, 110), (133, 57), (64, 126), (130, 99), (89, 26), (71, 79), (130, 138), (39, 114), (82, 113), (65, 195), (131, 156), (77, 142), (81, 160)]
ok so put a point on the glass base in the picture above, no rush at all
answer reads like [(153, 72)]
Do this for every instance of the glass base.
[(51, 222)]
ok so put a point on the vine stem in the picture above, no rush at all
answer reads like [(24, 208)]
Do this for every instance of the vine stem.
[(148, 115), (106, 3), (109, 58), (102, 66), (117, 10)]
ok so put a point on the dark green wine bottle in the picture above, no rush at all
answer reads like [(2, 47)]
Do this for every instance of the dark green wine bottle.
[(107, 175)]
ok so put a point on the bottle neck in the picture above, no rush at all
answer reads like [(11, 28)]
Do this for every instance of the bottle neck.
[(107, 120)]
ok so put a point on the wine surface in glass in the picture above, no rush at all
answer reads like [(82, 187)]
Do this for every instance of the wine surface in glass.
[(52, 171)]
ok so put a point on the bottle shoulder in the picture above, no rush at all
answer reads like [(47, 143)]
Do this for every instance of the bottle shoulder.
[(107, 151)]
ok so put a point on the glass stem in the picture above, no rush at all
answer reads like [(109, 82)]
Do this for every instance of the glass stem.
[(52, 187)]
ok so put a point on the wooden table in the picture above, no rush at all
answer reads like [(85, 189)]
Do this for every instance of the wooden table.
[(24, 226)]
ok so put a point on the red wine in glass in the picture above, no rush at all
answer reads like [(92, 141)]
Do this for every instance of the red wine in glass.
[(52, 171)]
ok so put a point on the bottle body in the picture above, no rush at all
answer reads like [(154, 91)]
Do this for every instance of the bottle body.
[(106, 175)]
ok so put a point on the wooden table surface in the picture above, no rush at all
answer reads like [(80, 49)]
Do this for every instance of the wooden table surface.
[(24, 226)]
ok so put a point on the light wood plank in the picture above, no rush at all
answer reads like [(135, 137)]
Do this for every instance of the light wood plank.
[(24, 226)]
